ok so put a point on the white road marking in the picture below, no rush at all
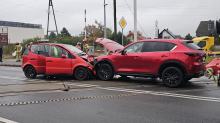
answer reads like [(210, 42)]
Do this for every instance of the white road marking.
[(12, 78), (6, 120), (210, 82), (80, 85), (44, 92), (183, 96)]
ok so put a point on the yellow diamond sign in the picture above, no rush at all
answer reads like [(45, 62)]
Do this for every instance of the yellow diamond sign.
[(123, 23)]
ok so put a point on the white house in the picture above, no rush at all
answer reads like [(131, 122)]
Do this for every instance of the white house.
[(17, 32)]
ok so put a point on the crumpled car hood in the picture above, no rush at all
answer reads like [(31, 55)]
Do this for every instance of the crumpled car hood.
[(109, 44)]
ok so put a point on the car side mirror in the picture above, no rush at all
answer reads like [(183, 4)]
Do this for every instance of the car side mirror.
[(123, 52), (63, 56)]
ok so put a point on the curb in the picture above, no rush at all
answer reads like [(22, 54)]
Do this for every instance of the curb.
[(10, 65)]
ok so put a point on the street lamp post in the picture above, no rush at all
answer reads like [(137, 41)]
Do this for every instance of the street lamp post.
[(105, 31), (115, 19), (135, 21)]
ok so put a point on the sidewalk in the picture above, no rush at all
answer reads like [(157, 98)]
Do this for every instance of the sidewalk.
[(10, 63)]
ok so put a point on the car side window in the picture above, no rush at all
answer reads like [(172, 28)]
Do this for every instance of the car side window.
[(157, 46), (34, 49), (47, 50), (57, 52), (135, 48), (202, 44), (37, 49), (66, 53), (26, 51)]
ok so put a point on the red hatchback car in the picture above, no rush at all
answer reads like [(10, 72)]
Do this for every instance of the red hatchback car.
[(174, 61), (56, 59)]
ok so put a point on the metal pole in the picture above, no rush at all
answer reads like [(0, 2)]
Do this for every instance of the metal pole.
[(115, 18), (48, 19), (54, 17), (135, 21), (105, 31), (122, 37), (156, 30)]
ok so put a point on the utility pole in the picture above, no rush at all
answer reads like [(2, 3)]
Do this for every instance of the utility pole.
[(135, 21), (85, 31), (156, 30), (105, 31), (48, 21), (115, 18)]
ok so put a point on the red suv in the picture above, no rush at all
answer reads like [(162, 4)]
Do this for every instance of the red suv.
[(55, 59), (174, 61)]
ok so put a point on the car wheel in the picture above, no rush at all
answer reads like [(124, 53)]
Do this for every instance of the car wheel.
[(172, 77), (30, 72), (105, 72), (187, 79), (81, 73)]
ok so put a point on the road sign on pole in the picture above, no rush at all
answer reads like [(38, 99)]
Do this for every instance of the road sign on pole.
[(123, 24), (4, 36)]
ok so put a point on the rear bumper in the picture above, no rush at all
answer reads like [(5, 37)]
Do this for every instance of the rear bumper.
[(196, 75)]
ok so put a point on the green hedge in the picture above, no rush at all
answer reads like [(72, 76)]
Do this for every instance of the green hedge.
[(9, 49)]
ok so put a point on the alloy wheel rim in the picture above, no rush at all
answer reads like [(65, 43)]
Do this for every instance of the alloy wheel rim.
[(81, 73), (30, 72), (105, 72), (172, 77)]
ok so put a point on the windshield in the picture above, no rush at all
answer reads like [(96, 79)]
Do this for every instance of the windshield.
[(75, 50), (191, 45)]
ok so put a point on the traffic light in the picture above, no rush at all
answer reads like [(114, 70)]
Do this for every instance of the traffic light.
[(218, 26)]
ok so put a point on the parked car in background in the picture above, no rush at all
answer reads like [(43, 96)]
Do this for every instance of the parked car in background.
[(174, 61), (56, 59)]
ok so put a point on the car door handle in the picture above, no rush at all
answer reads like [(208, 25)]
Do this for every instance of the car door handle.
[(49, 61), (164, 56), (32, 59), (136, 57)]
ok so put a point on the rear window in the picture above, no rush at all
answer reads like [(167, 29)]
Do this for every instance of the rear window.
[(191, 45), (157, 46)]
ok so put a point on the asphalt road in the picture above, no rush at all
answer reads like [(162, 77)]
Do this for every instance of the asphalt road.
[(134, 100)]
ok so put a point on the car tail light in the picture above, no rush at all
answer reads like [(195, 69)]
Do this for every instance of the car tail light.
[(198, 57), (192, 54)]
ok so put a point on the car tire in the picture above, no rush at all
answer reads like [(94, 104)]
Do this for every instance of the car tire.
[(30, 72), (172, 77), (105, 72), (81, 73), (187, 79)]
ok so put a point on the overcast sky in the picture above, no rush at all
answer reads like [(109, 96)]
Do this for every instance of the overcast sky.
[(181, 17)]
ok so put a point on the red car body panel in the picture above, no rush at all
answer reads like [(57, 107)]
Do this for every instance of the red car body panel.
[(54, 66), (151, 62)]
